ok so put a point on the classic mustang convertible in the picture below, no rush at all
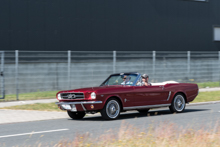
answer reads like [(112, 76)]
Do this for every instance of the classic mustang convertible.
[(115, 95)]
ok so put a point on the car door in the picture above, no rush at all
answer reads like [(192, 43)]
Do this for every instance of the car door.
[(126, 93), (150, 95)]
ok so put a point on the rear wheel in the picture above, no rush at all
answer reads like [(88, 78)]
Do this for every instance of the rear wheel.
[(143, 111), (111, 109), (76, 115), (178, 104)]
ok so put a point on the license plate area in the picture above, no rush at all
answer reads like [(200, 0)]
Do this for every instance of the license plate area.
[(71, 107), (66, 107)]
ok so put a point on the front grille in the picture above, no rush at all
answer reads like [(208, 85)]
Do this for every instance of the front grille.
[(72, 96)]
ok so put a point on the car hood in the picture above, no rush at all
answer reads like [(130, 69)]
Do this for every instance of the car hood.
[(91, 89)]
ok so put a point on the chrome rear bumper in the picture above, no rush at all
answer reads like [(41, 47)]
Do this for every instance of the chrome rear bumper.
[(81, 103)]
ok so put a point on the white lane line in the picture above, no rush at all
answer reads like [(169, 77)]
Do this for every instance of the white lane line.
[(31, 133)]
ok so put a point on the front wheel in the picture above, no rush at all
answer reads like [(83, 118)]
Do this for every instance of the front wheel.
[(111, 109), (76, 115), (178, 104)]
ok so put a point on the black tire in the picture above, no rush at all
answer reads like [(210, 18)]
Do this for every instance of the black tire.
[(111, 109), (143, 111), (76, 115), (178, 104)]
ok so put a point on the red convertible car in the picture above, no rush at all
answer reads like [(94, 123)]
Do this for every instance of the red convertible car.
[(114, 96)]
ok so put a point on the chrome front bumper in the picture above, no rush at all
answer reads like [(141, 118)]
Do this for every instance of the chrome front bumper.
[(81, 103)]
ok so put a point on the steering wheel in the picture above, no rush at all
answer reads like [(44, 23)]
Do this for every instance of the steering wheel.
[(116, 83)]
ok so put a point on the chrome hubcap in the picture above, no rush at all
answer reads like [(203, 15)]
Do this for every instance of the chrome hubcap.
[(179, 103), (112, 109)]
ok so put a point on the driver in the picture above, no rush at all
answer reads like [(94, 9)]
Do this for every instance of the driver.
[(126, 81), (124, 78)]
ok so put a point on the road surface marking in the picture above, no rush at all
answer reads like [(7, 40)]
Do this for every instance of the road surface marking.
[(31, 133)]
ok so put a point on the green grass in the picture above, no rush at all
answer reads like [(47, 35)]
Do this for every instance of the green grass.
[(208, 84), (52, 94), (31, 96), (202, 97), (37, 106), (207, 96)]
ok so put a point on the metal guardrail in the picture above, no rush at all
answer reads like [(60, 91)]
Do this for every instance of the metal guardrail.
[(31, 71)]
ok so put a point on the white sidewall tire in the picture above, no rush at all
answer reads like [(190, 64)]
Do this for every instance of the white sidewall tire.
[(178, 104), (111, 109)]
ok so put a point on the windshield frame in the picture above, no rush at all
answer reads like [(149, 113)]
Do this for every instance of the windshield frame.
[(120, 74)]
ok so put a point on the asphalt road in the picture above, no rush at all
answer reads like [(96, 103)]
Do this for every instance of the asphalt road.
[(49, 132)]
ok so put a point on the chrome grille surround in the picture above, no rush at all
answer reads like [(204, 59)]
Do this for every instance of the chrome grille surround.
[(72, 95)]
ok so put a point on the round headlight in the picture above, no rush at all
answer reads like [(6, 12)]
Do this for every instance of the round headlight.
[(59, 96), (93, 95)]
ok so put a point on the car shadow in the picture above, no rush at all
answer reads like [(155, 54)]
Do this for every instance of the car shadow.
[(136, 114)]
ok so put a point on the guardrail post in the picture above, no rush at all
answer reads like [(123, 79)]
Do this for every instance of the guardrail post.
[(16, 74), (188, 62), (69, 68), (114, 61), (2, 74), (153, 62)]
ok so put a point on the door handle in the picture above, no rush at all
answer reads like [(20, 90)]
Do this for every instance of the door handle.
[(162, 87), (1, 74)]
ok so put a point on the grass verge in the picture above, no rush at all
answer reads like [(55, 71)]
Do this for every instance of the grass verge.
[(208, 84), (37, 106), (202, 97), (207, 96), (31, 96), (52, 94)]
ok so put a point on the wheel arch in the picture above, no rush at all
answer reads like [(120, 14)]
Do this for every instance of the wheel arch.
[(180, 92)]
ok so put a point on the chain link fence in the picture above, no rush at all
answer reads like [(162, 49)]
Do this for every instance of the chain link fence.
[(33, 71)]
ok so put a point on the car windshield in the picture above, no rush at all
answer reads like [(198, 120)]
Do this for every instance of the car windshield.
[(126, 79)]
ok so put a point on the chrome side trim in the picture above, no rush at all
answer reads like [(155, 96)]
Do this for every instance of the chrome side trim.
[(146, 106), (85, 102), (169, 96)]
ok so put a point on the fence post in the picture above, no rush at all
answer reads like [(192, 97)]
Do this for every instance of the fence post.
[(2, 74), (154, 61), (114, 61), (219, 66), (219, 57), (188, 63), (16, 74), (69, 68)]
